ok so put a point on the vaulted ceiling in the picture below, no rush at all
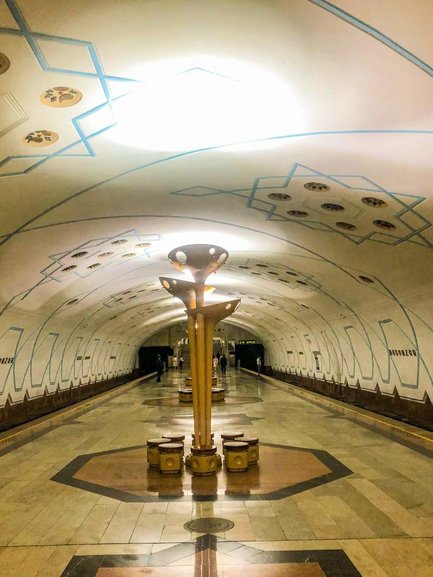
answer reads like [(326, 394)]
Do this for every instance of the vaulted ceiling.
[(297, 134)]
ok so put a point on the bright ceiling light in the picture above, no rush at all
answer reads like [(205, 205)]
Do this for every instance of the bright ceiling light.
[(231, 242), (203, 107)]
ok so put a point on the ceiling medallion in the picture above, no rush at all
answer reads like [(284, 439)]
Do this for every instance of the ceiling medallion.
[(279, 196), (41, 138), (317, 186), (4, 63), (346, 225), (61, 97), (374, 202)]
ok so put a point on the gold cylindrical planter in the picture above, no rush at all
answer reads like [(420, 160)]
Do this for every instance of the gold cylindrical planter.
[(170, 458), (175, 438), (236, 456), (152, 451), (204, 461), (185, 395), (218, 395), (253, 449), (230, 436)]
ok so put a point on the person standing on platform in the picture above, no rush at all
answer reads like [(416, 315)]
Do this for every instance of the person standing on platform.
[(215, 363), (223, 365), (180, 363), (259, 365), (175, 362), (159, 368)]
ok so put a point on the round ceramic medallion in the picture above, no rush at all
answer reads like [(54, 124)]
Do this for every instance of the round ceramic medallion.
[(41, 138), (61, 97), (4, 63)]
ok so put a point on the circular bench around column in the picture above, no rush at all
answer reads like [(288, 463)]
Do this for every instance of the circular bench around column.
[(170, 458), (152, 451), (253, 449), (236, 456)]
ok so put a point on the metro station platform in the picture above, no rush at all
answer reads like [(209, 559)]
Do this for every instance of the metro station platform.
[(330, 497)]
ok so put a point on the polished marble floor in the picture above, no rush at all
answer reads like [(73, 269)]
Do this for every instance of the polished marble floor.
[(72, 503)]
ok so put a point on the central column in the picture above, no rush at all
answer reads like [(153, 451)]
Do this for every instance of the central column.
[(200, 260)]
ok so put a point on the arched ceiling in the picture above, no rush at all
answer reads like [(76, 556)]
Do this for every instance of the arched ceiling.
[(296, 134)]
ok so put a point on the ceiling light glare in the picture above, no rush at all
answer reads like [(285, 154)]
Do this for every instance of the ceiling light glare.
[(232, 243), (207, 106)]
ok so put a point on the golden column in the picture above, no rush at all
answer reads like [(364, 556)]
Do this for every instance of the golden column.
[(201, 260)]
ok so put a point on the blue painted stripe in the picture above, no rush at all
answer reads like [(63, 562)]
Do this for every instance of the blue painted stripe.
[(376, 34)]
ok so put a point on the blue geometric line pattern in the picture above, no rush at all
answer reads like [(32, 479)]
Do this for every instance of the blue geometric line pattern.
[(50, 273), (32, 39), (376, 34), (406, 204), (99, 74)]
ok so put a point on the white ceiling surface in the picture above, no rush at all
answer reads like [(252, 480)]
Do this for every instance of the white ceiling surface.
[(356, 108)]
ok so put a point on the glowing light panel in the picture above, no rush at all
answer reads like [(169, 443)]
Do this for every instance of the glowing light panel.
[(199, 108)]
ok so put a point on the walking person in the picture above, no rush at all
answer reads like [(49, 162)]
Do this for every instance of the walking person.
[(259, 365), (223, 365), (175, 362), (180, 363), (159, 368), (215, 363)]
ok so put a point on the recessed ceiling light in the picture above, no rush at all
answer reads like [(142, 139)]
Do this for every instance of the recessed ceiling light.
[(297, 213), (374, 202), (279, 196), (317, 186), (346, 225), (4, 63), (384, 224), (79, 254), (331, 206)]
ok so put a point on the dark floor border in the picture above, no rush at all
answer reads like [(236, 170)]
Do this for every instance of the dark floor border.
[(14, 414), (55, 418), (417, 413), (66, 477), (403, 437), (333, 562)]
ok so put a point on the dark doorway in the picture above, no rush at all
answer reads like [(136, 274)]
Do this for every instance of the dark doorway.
[(147, 358), (247, 355)]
